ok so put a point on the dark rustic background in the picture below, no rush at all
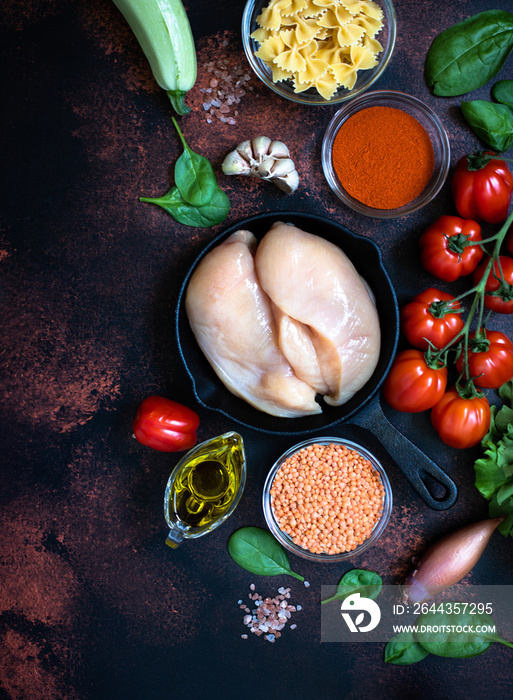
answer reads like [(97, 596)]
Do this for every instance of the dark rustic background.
[(93, 604)]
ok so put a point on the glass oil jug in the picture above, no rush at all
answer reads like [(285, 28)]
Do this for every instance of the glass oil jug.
[(204, 488)]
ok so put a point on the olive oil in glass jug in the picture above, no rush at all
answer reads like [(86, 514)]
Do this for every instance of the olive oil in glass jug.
[(204, 487)]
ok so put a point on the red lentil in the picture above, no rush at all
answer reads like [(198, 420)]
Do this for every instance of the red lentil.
[(327, 498)]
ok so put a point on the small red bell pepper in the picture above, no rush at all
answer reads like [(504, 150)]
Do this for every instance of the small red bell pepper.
[(165, 425)]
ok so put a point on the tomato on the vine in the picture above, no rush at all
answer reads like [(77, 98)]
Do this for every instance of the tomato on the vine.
[(433, 317), (448, 247), (461, 422), (482, 187), (165, 425), (490, 359), (499, 285), (415, 382)]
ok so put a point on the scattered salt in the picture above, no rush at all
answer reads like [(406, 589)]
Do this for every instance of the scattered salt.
[(226, 83), (270, 615)]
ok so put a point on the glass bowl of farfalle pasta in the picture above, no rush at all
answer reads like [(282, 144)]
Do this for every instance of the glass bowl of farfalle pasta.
[(319, 52)]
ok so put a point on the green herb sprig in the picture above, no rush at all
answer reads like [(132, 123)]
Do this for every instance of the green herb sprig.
[(494, 471)]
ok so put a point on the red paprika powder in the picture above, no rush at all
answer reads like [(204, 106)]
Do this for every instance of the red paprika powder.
[(383, 157)]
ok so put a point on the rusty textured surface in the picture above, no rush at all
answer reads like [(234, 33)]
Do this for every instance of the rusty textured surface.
[(92, 603)]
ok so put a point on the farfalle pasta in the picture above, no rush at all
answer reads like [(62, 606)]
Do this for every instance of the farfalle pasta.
[(319, 44)]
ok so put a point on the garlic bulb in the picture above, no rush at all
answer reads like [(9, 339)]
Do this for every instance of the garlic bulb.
[(261, 157)]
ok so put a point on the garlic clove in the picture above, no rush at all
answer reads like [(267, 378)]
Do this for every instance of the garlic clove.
[(235, 164), (287, 183), (260, 146), (282, 167), (277, 149), (265, 168), (245, 150)]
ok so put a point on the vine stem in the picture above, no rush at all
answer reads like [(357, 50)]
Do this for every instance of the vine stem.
[(477, 305)]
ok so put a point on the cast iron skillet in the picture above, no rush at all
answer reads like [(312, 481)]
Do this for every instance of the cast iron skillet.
[(366, 256)]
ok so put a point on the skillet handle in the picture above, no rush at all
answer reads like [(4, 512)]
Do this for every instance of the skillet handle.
[(416, 466)]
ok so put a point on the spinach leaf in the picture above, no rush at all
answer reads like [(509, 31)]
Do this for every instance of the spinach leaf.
[(403, 650), (448, 633), (503, 92), (367, 583), (208, 215), (493, 123), (467, 55), (257, 550), (194, 175)]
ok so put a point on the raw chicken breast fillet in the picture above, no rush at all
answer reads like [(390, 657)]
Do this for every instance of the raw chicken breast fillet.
[(232, 320), (314, 283)]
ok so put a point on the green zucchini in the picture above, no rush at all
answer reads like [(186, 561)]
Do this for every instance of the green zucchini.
[(163, 30)]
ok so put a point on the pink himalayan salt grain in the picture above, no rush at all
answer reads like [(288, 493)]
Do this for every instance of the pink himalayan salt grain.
[(225, 89), (270, 616)]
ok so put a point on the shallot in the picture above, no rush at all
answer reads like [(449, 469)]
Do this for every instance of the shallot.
[(448, 561)]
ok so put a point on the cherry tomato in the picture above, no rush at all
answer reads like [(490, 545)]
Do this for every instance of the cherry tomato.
[(461, 422), (490, 359), (430, 316), (500, 282), (482, 188), (413, 385), (446, 248), (165, 425)]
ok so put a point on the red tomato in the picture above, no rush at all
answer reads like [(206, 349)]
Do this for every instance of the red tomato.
[(490, 359), (430, 316), (446, 248), (499, 282), (461, 422), (482, 187), (412, 385), (165, 425)]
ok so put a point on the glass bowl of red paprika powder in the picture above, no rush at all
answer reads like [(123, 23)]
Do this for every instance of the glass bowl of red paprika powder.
[(281, 43), (385, 154)]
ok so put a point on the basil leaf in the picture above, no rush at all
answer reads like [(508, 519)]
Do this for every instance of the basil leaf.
[(403, 650), (503, 92), (367, 583), (208, 215), (467, 55), (257, 551), (493, 123)]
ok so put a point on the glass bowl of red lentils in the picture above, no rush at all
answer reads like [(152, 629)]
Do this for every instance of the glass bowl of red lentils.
[(327, 499), (385, 154), (315, 54)]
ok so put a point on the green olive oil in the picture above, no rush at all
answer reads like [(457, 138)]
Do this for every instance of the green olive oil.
[(205, 487)]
